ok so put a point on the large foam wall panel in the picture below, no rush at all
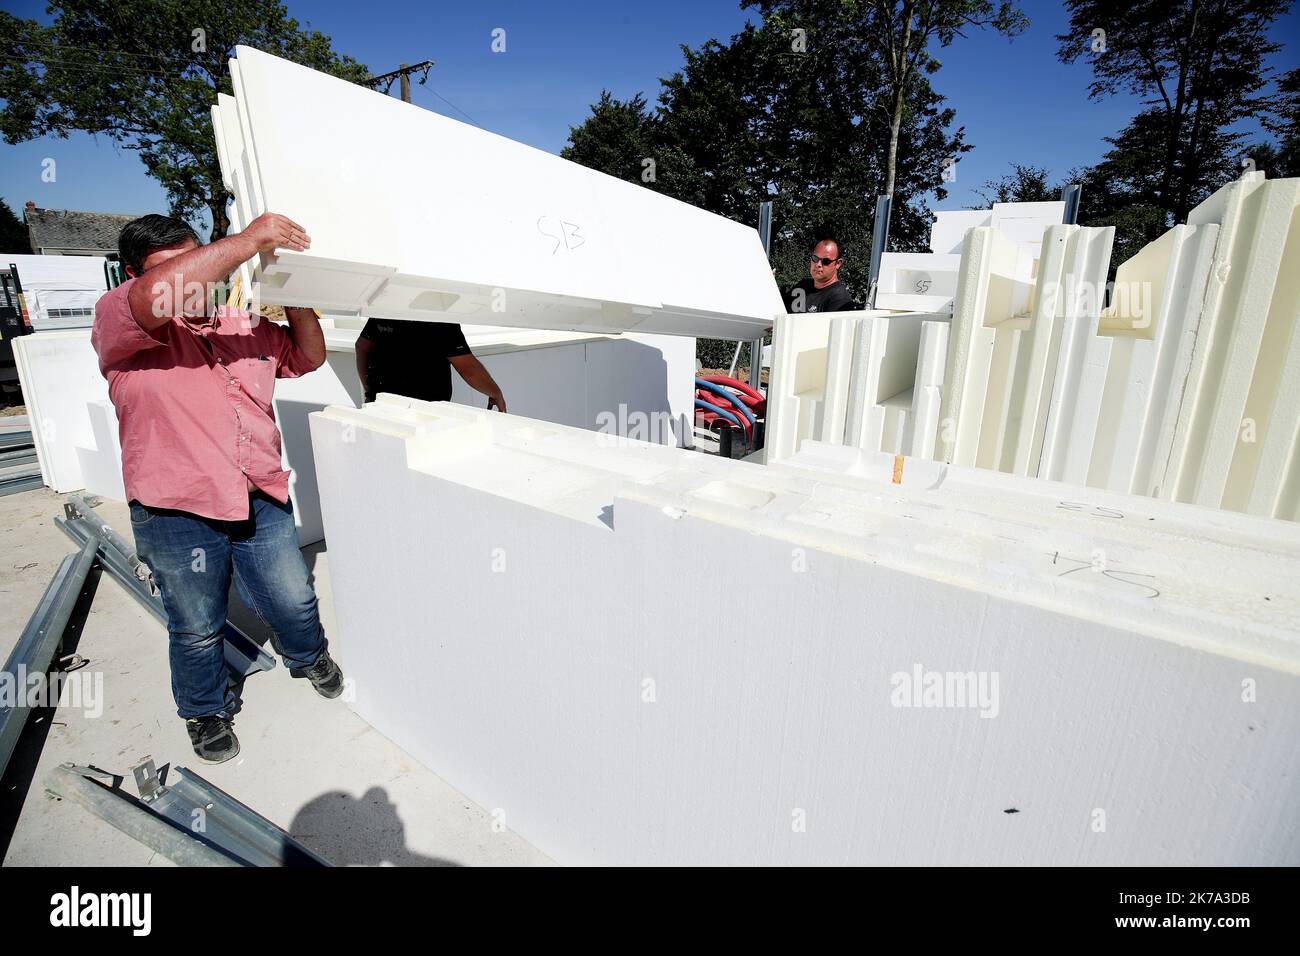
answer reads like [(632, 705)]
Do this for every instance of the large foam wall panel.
[(101, 463), (607, 721), (1153, 323), (1235, 209), (886, 356), (401, 209), (1082, 357), (1062, 258), (992, 287), (797, 391), (59, 372), (922, 427)]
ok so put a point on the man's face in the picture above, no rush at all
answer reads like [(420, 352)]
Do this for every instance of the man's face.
[(162, 254), (825, 274)]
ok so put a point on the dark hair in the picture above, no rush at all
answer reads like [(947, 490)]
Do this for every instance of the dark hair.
[(142, 236), (838, 245)]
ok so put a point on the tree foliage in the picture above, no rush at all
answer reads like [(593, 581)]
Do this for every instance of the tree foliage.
[(1199, 67), (805, 125), (1282, 120), (903, 35), (13, 233), (1024, 183), (144, 73)]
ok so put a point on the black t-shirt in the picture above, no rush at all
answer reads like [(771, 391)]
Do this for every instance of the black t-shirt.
[(410, 358), (833, 298)]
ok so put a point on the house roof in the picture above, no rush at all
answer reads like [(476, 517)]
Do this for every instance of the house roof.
[(67, 229)]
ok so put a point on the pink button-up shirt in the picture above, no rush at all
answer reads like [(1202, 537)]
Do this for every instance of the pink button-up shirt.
[(194, 406)]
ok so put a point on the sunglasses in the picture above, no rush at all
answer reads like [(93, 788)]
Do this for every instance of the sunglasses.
[(824, 261)]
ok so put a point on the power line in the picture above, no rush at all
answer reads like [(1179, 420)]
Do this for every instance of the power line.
[(389, 78), (454, 106)]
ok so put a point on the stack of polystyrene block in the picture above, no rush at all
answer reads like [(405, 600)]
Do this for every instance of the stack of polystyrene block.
[(917, 281), (59, 372), (851, 377), (994, 286), (511, 612), (1234, 440), (1053, 391), (414, 215), (927, 282), (1152, 323), (871, 376)]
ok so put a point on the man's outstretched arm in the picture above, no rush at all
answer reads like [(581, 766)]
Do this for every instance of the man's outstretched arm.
[(161, 293), (477, 377)]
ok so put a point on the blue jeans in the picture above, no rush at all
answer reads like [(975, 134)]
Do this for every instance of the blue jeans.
[(193, 558)]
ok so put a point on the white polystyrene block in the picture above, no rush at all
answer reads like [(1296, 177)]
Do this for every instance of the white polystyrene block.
[(950, 228), (1063, 446), (1153, 322), (415, 215), (839, 376), (1234, 209), (993, 286), (1258, 474), (996, 413), (231, 156), (59, 373), (1031, 385), (1025, 222), (1246, 311), (565, 658), (101, 464), (917, 282), (884, 367), (927, 396), (1276, 488), (797, 386), (863, 424)]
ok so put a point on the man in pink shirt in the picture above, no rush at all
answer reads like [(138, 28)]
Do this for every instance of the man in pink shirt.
[(209, 501)]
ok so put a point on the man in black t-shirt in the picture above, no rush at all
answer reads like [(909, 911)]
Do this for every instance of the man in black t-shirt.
[(822, 291), (415, 359)]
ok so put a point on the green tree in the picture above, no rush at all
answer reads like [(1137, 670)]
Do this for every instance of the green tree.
[(624, 138), (901, 35), (145, 73), (1282, 120), (804, 125), (13, 233), (1198, 67), (1023, 184)]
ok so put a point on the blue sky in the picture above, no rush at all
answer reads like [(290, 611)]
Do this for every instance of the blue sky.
[(1017, 102)]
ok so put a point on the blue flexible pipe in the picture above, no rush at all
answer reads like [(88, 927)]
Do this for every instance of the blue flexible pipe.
[(722, 412), (730, 396)]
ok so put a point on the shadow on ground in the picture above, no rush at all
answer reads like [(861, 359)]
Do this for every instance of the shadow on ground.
[(357, 832)]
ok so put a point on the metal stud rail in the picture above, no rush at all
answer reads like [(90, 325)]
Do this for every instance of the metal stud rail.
[(41, 641), (191, 821)]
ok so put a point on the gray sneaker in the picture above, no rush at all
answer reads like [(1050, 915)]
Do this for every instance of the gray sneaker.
[(213, 738), (324, 675)]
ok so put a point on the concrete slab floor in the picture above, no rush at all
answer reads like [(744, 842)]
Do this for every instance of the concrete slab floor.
[(308, 764)]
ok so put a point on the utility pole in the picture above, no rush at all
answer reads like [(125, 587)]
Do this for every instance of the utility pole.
[(402, 73)]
